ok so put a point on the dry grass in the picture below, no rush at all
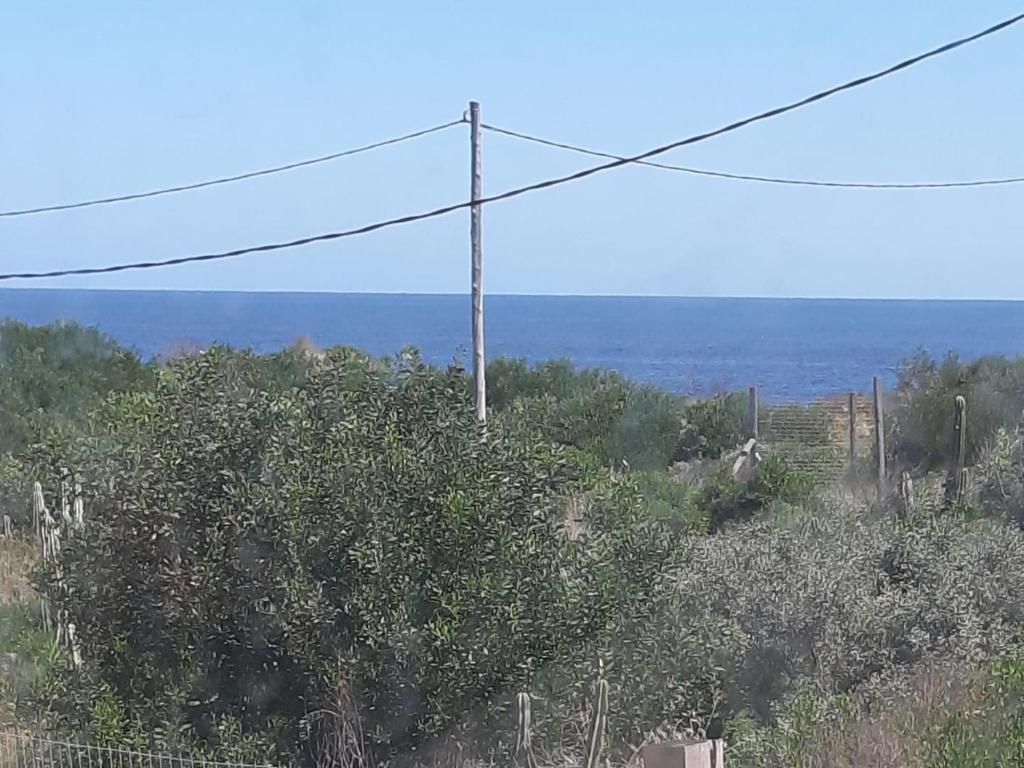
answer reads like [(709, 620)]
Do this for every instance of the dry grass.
[(892, 736), (16, 560)]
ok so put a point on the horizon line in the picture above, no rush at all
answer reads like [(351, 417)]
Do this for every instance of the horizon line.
[(746, 297)]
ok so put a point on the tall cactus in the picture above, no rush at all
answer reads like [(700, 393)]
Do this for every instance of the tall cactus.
[(907, 493), (38, 510), (961, 448), (78, 505), (956, 481), (598, 724), (65, 496), (524, 731)]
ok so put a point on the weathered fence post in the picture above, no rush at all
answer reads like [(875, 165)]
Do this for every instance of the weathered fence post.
[(956, 481), (752, 413), (879, 437), (852, 408)]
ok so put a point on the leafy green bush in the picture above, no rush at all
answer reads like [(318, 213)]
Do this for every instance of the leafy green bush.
[(922, 419), (676, 503), (597, 411), (998, 479), (616, 420), (947, 714), (27, 652), (836, 601), (350, 549), (53, 374), (726, 499), (713, 426)]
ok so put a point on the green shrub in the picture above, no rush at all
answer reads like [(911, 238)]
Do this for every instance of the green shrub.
[(27, 653), (841, 599), (616, 420), (255, 556), (600, 412), (998, 478), (922, 419), (947, 714), (676, 503), (713, 426), (53, 374), (726, 499)]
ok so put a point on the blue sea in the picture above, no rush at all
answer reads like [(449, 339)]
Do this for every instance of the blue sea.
[(793, 349)]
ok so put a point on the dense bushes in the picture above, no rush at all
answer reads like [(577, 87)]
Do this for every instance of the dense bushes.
[(945, 714), (834, 603), (724, 499), (287, 562), (616, 420), (322, 555), (997, 481), (53, 374), (921, 422)]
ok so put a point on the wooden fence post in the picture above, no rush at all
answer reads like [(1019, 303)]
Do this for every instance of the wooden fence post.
[(879, 437), (752, 412), (852, 407)]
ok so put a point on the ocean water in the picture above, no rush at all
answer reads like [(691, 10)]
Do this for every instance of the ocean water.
[(793, 349)]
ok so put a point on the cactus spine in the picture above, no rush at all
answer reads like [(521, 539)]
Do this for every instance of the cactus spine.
[(598, 724)]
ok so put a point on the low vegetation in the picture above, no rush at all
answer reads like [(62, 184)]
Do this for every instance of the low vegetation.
[(320, 557)]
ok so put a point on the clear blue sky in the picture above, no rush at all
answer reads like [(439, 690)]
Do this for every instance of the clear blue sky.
[(112, 97)]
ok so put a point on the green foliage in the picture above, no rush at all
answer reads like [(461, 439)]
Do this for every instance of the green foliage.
[(998, 478), (253, 549), (675, 503), (713, 426), (27, 652), (922, 421), (726, 499), (107, 720), (52, 375), (614, 419), (948, 714), (600, 412), (285, 552), (842, 599)]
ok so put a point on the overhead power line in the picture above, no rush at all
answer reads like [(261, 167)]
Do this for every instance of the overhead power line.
[(557, 181), (764, 179), (230, 179)]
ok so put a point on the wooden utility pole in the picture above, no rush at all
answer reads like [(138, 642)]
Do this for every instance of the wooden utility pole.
[(475, 193), (879, 438)]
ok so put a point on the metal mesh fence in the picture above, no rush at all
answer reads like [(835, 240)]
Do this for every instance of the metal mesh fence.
[(815, 438), (23, 750)]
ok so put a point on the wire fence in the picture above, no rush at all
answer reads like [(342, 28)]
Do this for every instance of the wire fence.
[(825, 439), (24, 750)]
